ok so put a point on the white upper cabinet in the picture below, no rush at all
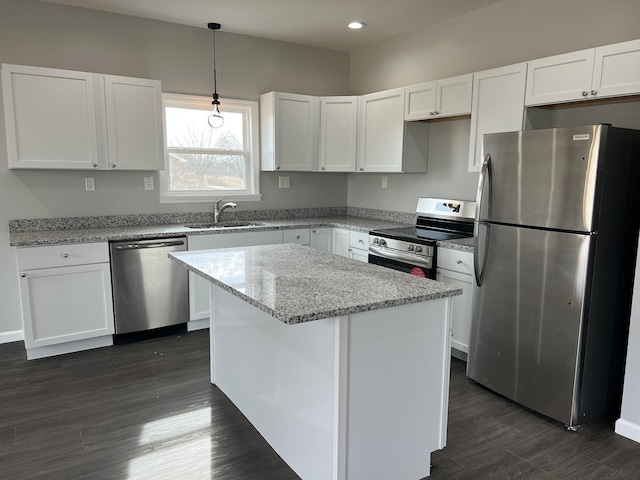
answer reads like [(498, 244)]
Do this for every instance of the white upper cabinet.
[(134, 123), (61, 119), (287, 136), (385, 142), (609, 71), (50, 118), (616, 69), (443, 98), (338, 134), (562, 78), (498, 106)]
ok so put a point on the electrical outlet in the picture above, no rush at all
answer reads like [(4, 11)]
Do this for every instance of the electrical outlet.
[(89, 184), (284, 182), (148, 183), (384, 182)]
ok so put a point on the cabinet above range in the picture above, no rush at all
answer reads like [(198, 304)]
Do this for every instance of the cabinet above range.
[(63, 119)]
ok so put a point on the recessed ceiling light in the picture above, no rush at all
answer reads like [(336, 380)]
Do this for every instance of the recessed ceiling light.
[(356, 25)]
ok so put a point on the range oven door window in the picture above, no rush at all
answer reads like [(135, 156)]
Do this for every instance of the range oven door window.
[(403, 267)]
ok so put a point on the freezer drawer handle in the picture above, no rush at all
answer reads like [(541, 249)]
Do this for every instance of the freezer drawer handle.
[(135, 246)]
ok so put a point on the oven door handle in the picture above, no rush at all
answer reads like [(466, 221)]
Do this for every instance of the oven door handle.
[(413, 259)]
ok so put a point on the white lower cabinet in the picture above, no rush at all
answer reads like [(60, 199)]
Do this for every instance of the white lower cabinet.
[(65, 292), (321, 239), (455, 267), (298, 235), (359, 246), (341, 242), (199, 287)]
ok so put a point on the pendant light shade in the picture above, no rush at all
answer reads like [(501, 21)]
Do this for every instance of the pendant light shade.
[(216, 120)]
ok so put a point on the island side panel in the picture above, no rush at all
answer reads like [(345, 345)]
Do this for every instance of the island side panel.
[(282, 378), (398, 384)]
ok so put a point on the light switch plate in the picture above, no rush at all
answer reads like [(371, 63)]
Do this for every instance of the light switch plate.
[(89, 184), (148, 183), (284, 182)]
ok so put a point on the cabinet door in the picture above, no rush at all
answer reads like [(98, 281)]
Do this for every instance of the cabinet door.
[(50, 118), (66, 304), (460, 307), (561, 78), (287, 126), (420, 101), (341, 242), (497, 106), (617, 69), (321, 239), (359, 255), (198, 286), (454, 96), (338, 134), (381, 131), (133, 108), (298, 235)]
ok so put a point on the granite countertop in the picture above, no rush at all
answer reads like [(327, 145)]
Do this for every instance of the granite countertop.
[(134, 232), (462, 244), (296, 284)]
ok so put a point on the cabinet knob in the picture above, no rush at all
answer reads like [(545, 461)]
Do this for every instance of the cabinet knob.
[(113, 165), (95, 165), (23, 275), (65, 255), (594, 92), (458, 262), (321, 168), (585, 93), (277, 168), (313, 231), (297, 237), (431, 114), (360, 241), (361, 169)]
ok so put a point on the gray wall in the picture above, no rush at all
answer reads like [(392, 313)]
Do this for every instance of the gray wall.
[(508, 32), (49, 35)]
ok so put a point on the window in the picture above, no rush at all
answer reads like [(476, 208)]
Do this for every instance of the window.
[(203, 164)]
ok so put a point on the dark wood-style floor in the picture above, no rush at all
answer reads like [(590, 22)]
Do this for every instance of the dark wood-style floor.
[(147, 411)]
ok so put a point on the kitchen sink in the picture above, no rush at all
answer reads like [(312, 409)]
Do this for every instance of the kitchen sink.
[(222, 225)]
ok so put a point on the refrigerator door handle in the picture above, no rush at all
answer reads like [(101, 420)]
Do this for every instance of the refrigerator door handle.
[(485, 177)]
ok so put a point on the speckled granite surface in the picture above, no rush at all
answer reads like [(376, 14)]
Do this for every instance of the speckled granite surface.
[(464, 244), (84, 235), (296, 284)]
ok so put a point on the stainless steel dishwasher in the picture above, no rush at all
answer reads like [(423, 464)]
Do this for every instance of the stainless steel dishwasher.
[(149, 290)]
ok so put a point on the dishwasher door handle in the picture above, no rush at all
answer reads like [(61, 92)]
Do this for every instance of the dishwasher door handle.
[(136, 246)]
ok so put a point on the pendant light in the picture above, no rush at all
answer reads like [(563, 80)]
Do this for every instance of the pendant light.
[(216, 120)]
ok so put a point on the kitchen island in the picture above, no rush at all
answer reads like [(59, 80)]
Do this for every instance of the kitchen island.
[(342, 366)]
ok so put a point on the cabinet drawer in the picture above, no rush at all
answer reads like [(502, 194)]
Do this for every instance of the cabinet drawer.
[(300, 235), (455, 260), (359, 240), (30, 258)]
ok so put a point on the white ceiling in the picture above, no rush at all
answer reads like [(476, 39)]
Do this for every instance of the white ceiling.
[(320, 23)]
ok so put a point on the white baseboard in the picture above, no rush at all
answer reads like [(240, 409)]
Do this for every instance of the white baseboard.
[(628, 429), (14, 336), (197, 324)]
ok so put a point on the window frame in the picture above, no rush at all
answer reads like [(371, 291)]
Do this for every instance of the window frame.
[(249, 109)]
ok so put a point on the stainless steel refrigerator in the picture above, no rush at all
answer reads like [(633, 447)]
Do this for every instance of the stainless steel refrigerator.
[(555, 240)]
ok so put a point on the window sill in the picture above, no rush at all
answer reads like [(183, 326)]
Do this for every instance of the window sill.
[(210, 198)]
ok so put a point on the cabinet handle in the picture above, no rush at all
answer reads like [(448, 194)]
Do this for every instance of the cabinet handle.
[(23, 275), (65, 255), (585, 93), (594, 92)]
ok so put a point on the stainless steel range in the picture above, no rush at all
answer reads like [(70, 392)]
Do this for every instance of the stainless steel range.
[(414, 249)]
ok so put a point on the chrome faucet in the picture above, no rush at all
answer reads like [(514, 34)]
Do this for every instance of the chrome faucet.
[(217, 211)]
